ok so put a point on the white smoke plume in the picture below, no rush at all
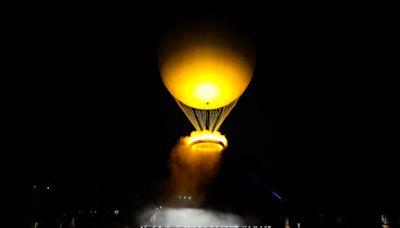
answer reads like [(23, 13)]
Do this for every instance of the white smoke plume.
[(187, 217)]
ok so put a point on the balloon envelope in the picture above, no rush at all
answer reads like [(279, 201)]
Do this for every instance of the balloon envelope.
[(206, 67)]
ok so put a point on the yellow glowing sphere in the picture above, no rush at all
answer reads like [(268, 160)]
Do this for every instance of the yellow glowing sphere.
[(206, 69)]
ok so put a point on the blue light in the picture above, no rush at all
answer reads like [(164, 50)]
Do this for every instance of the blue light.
[(276, 195)]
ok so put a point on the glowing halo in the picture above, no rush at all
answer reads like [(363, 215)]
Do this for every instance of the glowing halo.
[(207, 141)]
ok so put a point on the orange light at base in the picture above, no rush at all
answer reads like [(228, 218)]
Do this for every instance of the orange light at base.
[(207, 141)]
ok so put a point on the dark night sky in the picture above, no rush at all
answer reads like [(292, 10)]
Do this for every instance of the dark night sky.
[(320, 114)]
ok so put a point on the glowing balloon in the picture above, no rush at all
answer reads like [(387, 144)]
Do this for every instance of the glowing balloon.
[(206, 69)]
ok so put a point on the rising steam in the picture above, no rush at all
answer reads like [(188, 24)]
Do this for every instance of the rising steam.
[(191, 173)]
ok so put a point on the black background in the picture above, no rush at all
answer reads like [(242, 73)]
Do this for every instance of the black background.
[(318, 123)]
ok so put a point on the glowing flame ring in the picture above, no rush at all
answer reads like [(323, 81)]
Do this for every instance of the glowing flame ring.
[(207, 141)]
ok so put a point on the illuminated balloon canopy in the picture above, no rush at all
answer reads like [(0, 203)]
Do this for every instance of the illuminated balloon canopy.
[(206, 69)]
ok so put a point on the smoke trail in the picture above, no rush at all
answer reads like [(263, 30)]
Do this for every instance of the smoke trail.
[(191, 173)]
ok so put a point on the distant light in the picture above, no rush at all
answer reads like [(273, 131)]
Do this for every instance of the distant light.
[(277, 196), (179, 197), (47, 187), (34, 186), (116, 212), (184, 197), (190, 197)]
